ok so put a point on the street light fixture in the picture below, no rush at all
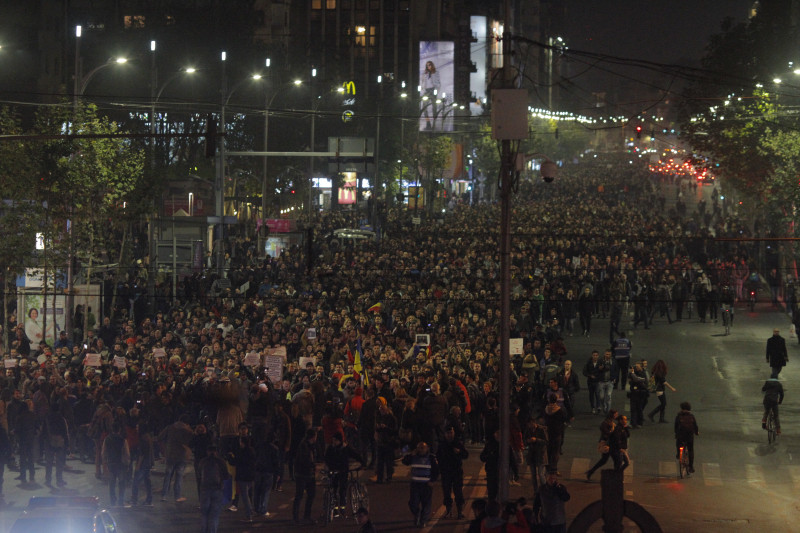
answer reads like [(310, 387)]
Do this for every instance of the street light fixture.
[(84, 82)]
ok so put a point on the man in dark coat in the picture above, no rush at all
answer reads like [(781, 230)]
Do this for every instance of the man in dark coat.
[(56, 443), (776, 353), (452, 453)]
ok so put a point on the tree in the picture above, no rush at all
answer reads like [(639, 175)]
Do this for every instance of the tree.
[(93, 187), (20, 213), (736, 116)]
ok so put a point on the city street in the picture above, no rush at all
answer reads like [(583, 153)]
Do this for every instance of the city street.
[(741, 483)]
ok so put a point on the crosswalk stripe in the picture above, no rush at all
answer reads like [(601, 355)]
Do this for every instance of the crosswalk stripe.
[(711, 474), (755, 475), (667, 469)]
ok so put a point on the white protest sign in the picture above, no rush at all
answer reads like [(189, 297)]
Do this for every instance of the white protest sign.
[(252, 359), (120, 362), (279, 351), (515, 346), (159, 352), (273, 368), (10, 363), (92, 359)]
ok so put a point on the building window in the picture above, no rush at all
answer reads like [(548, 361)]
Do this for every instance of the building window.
[(317, 4), (361, 36), (134, 21)]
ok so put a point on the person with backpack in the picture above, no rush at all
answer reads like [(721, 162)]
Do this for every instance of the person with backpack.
[(685, 431), (213, 473), (116, 456)]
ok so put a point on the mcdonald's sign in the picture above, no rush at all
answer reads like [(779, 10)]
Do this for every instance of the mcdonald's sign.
[(349, 87)]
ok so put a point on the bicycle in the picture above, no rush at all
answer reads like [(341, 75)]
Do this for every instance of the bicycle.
[(772, 428), (330, 498), (355, 496), (683, 462), (727, 318)]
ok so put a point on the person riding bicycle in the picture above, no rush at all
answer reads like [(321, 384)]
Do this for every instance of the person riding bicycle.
[(685, 430), (751, 285), (727, 297), (773, 397), (337, 458)]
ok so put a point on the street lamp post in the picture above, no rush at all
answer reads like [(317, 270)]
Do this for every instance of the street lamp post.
[(311, 147), (219, 193), (268, 100), (79, 85), (219, 201), (155, 95)]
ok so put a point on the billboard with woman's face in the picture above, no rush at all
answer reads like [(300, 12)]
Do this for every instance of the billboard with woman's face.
[(436, 85)]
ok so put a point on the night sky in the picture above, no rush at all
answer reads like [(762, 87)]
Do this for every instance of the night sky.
[(668, 31)]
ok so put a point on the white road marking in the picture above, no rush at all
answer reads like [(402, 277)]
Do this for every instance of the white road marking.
[(711, 474), (667, 469), (755, 475)]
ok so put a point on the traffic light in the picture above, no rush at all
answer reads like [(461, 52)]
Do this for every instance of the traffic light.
[(638, 132)]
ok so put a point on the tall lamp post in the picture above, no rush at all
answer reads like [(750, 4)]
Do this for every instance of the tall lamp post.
[(268, 101), (219, 192), (155, 95), (80, 83)]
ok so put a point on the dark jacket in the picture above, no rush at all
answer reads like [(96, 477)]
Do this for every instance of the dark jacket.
[(243, 458), (338, 458), (773, 392), (451, 455), (685, 426), (549, 504), (213, 473), (304, 460), (776, 351)]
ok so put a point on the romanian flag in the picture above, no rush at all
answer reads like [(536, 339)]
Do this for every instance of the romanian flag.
[(428, 352), (357, 364), (375, 308)]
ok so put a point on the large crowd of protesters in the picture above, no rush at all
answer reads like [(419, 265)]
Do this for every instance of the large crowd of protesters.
[(399, 339)]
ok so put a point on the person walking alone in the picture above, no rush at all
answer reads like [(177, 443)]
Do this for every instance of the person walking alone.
[(213, 473), (304, 477), (424, 471), (659, 378), (777, 357)]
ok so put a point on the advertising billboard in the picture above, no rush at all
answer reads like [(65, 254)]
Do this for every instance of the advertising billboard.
[(436, 85)]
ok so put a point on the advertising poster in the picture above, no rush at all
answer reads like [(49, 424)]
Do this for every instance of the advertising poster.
[(35, 308), (436, 85)]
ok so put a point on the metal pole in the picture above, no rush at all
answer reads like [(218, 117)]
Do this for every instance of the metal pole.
[(219, 199), (261, 244), (151, 285), (506, 170)]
